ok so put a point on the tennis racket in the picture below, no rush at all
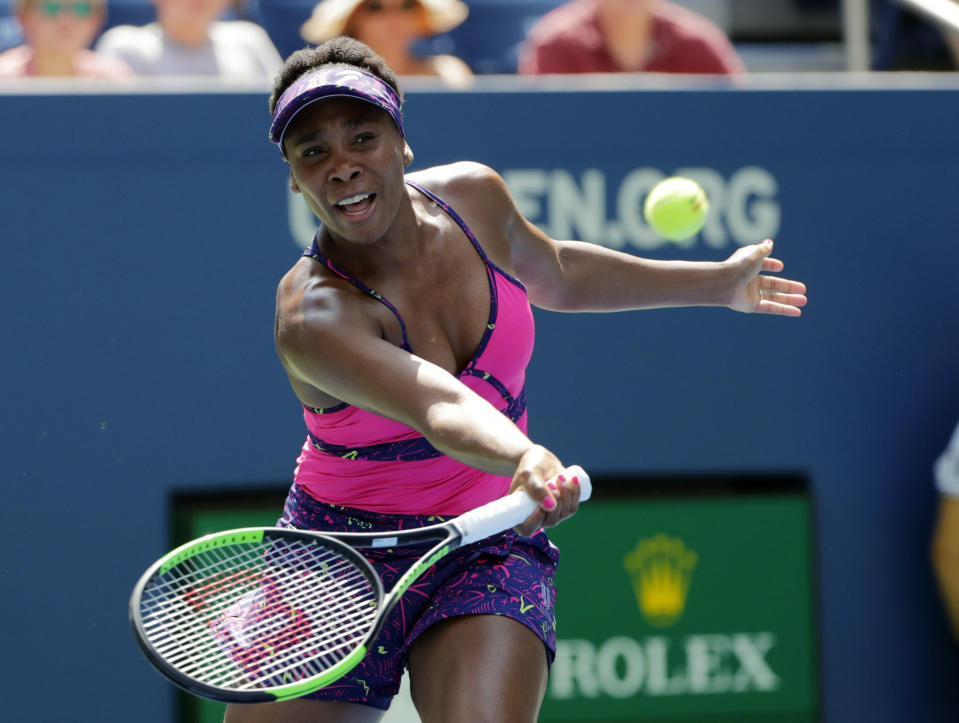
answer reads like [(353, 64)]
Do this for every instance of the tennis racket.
[(262, 614)]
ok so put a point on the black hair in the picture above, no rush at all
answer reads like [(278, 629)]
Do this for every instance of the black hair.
[(341, 50)]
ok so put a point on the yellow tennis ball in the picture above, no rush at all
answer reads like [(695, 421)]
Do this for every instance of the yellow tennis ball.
[(676, 208)]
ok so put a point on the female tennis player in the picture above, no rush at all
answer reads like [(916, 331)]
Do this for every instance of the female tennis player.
[(405, 330)]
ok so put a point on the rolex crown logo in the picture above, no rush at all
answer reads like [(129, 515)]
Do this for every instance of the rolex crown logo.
[(660, 569)]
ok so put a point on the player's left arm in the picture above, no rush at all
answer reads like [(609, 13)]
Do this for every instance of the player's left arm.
[(581, 276)]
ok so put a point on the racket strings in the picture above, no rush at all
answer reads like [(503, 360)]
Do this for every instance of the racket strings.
[(275, 636), (347, 625), (273, 622), (254, 615), (186, 587)]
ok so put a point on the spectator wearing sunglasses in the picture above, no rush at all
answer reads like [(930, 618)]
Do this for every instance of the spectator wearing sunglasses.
[(390, 28), (58, 35), (190, 39)]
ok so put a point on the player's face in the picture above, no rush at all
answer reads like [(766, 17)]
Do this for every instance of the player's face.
[(347, 159)]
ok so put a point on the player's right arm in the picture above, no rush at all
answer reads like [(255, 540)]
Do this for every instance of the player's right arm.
[(328, 339)]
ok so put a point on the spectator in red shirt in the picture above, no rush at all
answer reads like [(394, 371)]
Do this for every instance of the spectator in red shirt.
[(627, 36)]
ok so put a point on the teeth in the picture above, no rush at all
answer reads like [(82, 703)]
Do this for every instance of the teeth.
[(353, 199)]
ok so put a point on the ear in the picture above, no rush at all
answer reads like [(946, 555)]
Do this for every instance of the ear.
[(407, 154), (293, 185)]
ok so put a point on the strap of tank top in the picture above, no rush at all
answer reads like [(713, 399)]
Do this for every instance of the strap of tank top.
[(455, 216), (314, 252)]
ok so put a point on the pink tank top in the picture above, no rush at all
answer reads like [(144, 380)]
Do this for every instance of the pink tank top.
[(356, 458)]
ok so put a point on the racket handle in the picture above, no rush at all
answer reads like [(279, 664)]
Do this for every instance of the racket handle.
[(509, 511)]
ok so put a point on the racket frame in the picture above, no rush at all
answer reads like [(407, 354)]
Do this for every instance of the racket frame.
[(187, 551), (348, 544), (470, 527)]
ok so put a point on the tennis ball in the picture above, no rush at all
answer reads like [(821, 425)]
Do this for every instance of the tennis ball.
[(676, 208)]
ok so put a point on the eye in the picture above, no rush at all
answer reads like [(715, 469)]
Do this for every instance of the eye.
[(364, 138), (312, 151)]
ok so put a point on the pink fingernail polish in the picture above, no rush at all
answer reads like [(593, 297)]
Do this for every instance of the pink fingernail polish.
[(575, 480), (551, 485), (549, 503)]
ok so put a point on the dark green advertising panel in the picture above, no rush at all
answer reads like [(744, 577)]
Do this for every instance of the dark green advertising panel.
[(691, 604), (687, 600), (200, 514)]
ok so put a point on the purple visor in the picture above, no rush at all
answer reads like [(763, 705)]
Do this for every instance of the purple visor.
[(331, 81)]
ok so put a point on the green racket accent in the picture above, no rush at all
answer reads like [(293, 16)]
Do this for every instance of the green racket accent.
[(418, 569), (296, 690), (191, 549), (260, 614)]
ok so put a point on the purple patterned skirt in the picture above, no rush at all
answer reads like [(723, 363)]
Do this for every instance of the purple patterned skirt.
[(506, 575)]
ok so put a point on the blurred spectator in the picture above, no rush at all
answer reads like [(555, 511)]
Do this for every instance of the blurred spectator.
[(609, 36), (945, 540), (189, 38), (10, 35), (906, 40), (57, 35), (952, 42), (391, 27)]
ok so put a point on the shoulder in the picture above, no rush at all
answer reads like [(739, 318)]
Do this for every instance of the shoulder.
[(694, 43), (250, 40), (681, 22), (130, 35), (481, 198), (563, 22), (239, 31), (562, 41), (311, 303), (465, 184), (100, 65), (318, 316), (131, 39), (305, 281), (461, 175), (453, 71), (14, 62)]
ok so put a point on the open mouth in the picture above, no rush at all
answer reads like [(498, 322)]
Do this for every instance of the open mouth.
[(357, 205)]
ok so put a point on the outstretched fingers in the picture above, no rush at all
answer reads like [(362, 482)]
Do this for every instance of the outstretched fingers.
[(771, 264), (780, 296)]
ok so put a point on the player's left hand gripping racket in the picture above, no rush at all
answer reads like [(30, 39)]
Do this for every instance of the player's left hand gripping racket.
[(263, 614)]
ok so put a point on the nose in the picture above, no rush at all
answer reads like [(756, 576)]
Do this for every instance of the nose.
[(344, 169)]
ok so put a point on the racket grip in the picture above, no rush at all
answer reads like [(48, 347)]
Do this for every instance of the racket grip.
[(509, 511)]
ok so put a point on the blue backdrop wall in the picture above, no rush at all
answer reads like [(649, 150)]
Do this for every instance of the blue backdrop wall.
[(143, 236)]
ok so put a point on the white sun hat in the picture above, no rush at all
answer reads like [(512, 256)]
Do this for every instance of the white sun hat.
[(330, 17)]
